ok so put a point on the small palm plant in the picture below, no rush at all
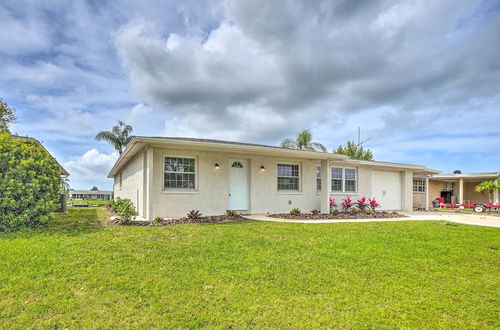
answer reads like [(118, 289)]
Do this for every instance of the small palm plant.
[(118, 137), (488, 187), (303, 141)]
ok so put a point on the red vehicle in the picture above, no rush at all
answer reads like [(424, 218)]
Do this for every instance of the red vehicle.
[(477, 207), (481, 207)]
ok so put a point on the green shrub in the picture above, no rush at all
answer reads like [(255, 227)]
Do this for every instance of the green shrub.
[(334, 212), (30, 183), (124, 209), (157, 221), (315, 212), (295, 211), (111, 204)]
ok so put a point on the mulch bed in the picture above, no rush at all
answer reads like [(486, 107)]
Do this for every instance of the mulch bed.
[(178, 221), (338, 216)]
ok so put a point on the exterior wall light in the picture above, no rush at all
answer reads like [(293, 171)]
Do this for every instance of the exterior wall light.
[(216, 166), (262, 168)]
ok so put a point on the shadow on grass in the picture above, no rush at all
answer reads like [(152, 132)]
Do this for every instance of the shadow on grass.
[(77, 221)]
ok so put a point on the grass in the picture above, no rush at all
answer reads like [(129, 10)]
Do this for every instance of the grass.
[(79, 274), (85, 201)]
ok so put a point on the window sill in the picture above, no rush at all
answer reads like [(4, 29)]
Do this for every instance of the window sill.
[(419, 192), (289, 192), (180, 191), (350, 193)]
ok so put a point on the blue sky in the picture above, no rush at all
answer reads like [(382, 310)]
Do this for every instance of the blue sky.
[(420, 77)]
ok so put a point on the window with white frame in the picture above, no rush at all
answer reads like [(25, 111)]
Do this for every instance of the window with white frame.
[(288, 177), (180, 173), (418, 185), (337, 178), (318, 178), (344, 179), (350, 180)]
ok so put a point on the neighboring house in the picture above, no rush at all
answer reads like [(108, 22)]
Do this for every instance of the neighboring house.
[(64, 173), (167, 177), (454, 188), (97, 195)]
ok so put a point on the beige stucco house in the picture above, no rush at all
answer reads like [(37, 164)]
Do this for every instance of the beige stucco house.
[(454, 188), (167, 177)]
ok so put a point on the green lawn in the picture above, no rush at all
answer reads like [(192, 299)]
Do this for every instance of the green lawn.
[(79, 274), (90, 202)]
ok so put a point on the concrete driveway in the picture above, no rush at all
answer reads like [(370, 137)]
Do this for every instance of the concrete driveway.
[(477, 219), (469, 219)]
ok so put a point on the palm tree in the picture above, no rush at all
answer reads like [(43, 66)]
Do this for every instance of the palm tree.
[(65, 184), (118, 136), (303, 141), (488, 187)]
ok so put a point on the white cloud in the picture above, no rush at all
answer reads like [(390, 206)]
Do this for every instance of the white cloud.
[(138, 113), (91, 169), (303, 59)]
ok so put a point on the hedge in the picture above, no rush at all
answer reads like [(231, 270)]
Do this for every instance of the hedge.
[(30, 183)]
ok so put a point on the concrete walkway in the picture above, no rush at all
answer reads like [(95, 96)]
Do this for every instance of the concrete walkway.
[(469, 219)]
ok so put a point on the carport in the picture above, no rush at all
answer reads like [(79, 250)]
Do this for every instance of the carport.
[(459, 187)]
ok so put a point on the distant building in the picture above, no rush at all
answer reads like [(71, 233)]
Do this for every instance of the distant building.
[(97, 195)]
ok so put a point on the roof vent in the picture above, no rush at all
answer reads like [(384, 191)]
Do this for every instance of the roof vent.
[(457, 172)]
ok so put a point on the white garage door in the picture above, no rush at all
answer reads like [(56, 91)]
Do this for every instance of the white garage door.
[(386, 188)]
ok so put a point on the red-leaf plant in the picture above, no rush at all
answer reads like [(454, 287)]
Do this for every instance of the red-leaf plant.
[(332, 203), (346, 204), (373, 204), (361, 203)]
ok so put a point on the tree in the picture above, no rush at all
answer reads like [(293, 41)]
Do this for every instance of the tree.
[(65, 184), (94, 188), (118, 137), (303, 141), (488, 187), (7, 116), (30, 183), (354, 151)]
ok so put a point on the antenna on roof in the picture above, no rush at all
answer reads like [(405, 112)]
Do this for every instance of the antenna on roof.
[(359, 137)]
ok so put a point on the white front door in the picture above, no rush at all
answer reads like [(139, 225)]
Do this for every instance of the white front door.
[(386, 188), (238, 184)]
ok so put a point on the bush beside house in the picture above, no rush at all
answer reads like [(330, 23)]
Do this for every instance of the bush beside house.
[(30, 183)]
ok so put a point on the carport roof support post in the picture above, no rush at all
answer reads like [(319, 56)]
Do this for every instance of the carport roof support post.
[(461, 191)]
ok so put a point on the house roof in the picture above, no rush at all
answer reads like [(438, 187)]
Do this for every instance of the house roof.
[(28, 138), (478, 176), (138, 142)]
